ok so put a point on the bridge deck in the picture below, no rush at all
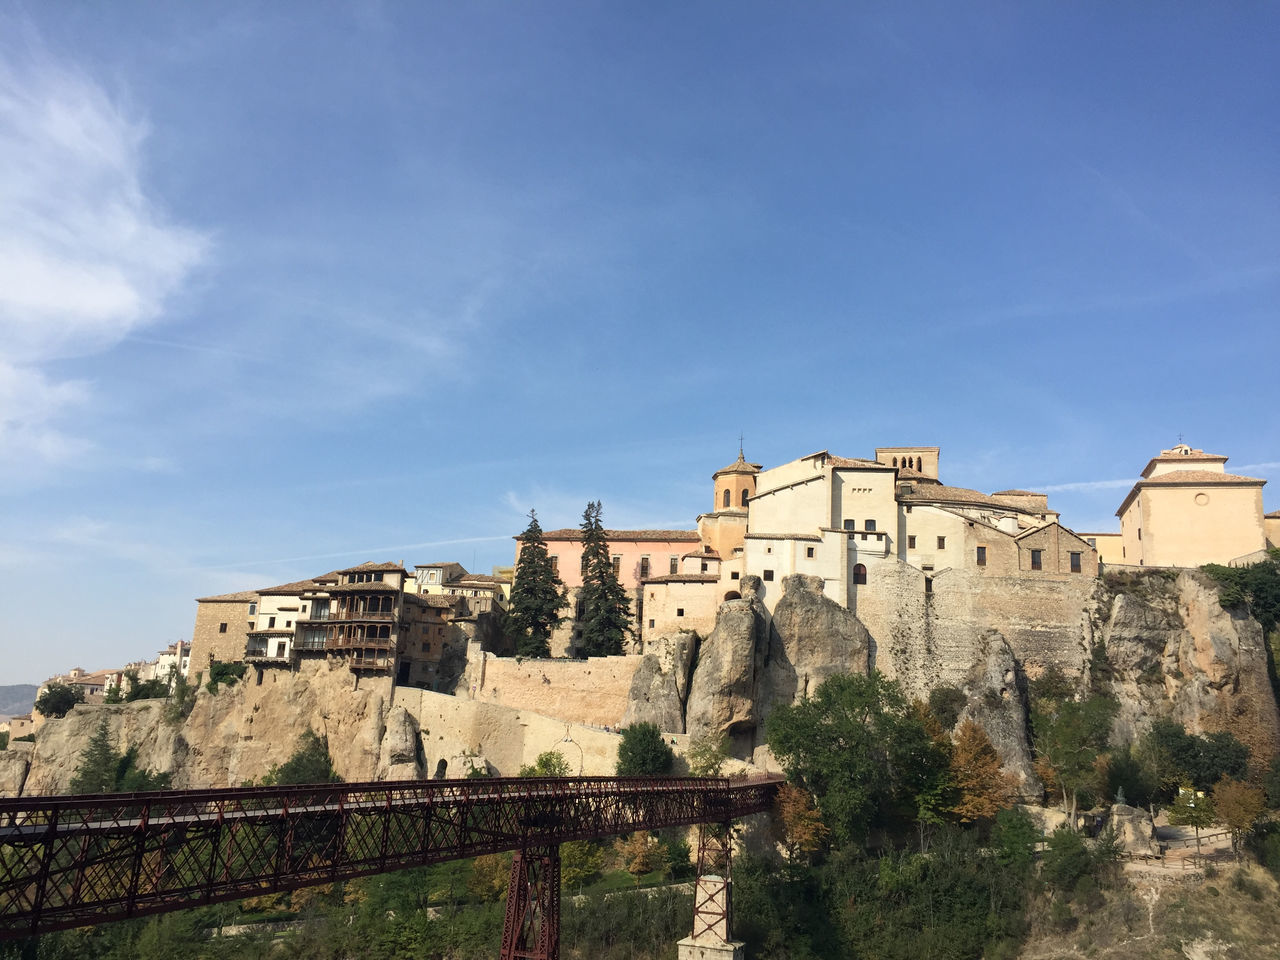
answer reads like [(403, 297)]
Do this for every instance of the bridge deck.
[(70, 861)]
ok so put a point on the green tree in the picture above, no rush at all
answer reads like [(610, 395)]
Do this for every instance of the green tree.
[(58, 699), (310, 763), (96, 771), (606, 608), (1014, 838), (706, 755), (537, 595), (1239, 805), (1066, 858), (1191, 808), (1070, 735), (860, 749), (550, 763), (643, 752), (946, 703), (580, 860), (1203, 760)]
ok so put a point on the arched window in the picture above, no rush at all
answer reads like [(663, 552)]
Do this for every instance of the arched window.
[(744, 497), (912, 463), (726, 498), (895, 461), (860, 574)]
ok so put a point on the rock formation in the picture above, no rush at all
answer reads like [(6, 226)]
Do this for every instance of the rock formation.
[(660, 685), (1136, 831), (997, 702), (725, 688)]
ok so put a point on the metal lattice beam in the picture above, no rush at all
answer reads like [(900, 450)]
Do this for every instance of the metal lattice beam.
[(72, 861)]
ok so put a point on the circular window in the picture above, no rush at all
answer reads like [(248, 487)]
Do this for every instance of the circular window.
[(1202, 499)]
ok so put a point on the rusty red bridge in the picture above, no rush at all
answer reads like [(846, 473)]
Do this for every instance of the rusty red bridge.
[(71, 861)]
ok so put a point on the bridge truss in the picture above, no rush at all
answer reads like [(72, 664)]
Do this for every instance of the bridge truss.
[(72, 861)]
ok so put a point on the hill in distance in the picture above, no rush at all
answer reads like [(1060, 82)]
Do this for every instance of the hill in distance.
[(17, 698)]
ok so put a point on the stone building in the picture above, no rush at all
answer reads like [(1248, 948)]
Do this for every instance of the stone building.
[(221, 629), (1187, 511)]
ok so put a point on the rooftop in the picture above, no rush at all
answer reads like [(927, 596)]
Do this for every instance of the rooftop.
[(244, 596), (1017, 493), (739, 466), (573, 533), (685, 578)]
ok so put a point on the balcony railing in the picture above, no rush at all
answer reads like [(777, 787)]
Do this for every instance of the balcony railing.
[(342, 644), (310, 644), (262, 656), (361, 614), (370, 663)]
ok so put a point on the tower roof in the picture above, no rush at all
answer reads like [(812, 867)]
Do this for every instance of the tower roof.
[(738, 466)]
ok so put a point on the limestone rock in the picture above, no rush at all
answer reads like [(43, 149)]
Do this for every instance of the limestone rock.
[(398, 757), (722, 697), (1135, 829), (997, 703), (1046, 819), (812, 638), (1173, 651), (660, 685), (13, 772)]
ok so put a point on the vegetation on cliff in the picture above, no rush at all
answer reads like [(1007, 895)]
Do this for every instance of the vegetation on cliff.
[(58, 699)]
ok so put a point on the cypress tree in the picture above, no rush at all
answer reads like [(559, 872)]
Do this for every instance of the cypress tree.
[(606, 608), (99, 764), (537, 595)]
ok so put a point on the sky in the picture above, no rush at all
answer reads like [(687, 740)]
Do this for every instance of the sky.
[(286, 287)]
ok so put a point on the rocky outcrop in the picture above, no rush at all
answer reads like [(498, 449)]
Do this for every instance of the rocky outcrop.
[(725, 690), (660, 685), (400, 756), (812, 638), (997, 703), (13, 772), (1135, 829), (1173, 651)]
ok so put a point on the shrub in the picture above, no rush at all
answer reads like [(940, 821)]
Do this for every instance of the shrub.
[(310, 763), (643, 752), (945, 703), (220, 673), (1066, 860), (58, 699)]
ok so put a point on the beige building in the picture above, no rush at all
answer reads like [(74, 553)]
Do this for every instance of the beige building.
[(221, 629), (1187, 511), (1110, 546), (1271, 523)]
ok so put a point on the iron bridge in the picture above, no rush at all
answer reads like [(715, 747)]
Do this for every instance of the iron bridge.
[(72, 861)]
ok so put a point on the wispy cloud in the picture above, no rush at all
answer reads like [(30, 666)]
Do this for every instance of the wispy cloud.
[(1087, 485), (86, 255), (366, 552), (1266, 467)]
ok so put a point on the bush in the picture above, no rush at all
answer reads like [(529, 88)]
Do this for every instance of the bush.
[(310, 763), (945, 703), (58, 699), (643, 752), (1066, 860), (223, 673)]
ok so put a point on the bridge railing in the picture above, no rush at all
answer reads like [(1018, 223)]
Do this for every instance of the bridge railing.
[(69, 861)]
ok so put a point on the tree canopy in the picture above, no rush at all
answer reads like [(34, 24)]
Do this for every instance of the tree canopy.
[(102, 769), (643, 752), (861, 750), (606, 608), (58, 699), (310, 763), (537, 595)]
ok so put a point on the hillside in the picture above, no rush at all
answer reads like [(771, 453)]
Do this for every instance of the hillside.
[(17, 698)]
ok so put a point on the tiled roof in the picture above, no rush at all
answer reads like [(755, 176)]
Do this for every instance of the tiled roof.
[(1017, 493), (477, 578), (911, 473), (1273, 515), (738, 466), (940, 493), (438, 600), (244, 596), (784, 536), (852, 462), (291, 589), (706, 555), (371, 567), (685, 578), (1197, 477), (375, 586), (573, 533)]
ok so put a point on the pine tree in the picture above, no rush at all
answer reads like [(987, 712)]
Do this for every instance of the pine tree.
[(606, 608), (537, 595), (99, 764)]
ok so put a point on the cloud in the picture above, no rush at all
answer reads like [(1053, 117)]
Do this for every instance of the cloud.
[(86, 255), (1086, 485)]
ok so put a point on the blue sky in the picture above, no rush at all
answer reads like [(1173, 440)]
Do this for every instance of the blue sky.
[(286, 287)]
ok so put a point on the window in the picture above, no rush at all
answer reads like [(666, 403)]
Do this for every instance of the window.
[(675, 565), (650, 624), (768, 575), (982, 556), (704, 566), (1093, 542), (288, 623), (908, 508), (1139, 533), (869, 526), (942, 543), (271, 622), (617, 566), (727, 501), (555, 564), (644, 568), (745, 494), (851, 524), (911, 541), (808, 552), (1037, 559), (584, 563), (253, 609), (734, 575), (1075, 563), (222, 628), (928, 584), (860, 574), (679, 611)]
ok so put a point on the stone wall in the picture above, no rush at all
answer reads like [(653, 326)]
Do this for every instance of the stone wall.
[(592, 691), (220, 633)]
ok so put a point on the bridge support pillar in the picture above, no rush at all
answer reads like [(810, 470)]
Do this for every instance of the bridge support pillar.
[(712, 908), (532, 927)]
